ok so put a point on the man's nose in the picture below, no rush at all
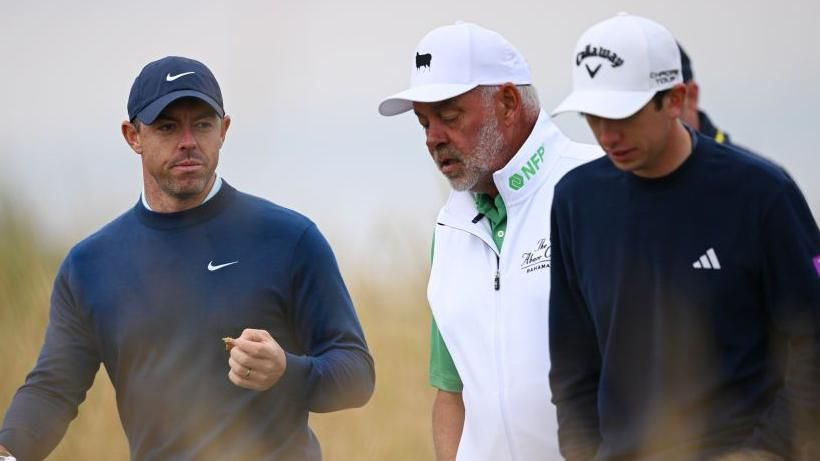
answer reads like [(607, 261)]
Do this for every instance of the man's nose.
[(609, 133), (436, 135), (187, 141)]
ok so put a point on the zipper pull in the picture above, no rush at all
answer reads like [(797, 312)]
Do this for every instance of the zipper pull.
[(497, 273)]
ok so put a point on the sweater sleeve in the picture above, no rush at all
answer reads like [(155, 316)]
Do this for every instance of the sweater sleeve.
[(576, 361), (791, 286), (47, 402), (337, 367)]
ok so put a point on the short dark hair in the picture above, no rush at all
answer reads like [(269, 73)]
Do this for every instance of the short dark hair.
[(137, 124), (686, 65), (658, 98)]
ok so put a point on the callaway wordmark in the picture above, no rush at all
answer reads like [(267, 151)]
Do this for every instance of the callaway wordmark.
[(171, 78), (212, 268)]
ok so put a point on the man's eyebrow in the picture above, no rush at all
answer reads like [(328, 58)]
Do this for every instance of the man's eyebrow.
[(205, 114), (446, 104), (163, 118)]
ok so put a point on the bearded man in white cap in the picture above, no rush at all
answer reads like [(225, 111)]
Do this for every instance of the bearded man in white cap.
[(685, 291), (472, 93)]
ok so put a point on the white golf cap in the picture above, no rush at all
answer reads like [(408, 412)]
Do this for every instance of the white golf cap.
[(619, 64), (452, 60)]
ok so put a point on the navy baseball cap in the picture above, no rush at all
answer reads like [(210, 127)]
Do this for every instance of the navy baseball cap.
[(164, 81)]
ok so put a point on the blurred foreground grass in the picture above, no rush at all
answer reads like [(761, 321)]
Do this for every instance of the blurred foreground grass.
[(394, 425)]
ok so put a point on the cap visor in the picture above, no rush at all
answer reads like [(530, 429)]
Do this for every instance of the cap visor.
[(152, 111), (402, 102), (607, 104)]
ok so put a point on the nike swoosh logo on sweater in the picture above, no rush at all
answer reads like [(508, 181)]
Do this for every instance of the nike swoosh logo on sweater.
[(212, 268)]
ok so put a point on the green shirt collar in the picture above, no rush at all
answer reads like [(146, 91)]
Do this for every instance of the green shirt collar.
[(496, 213), (493, 209)]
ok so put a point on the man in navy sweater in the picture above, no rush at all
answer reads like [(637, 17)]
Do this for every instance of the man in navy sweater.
[(151, 295), (685, 276)]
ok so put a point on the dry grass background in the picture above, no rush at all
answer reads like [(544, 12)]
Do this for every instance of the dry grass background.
[(394, 425)]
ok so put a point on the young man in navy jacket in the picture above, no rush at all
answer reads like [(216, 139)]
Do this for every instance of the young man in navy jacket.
[(685, 278)]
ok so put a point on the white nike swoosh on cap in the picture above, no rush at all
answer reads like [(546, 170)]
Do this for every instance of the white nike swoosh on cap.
[(171, 78), (212, 268)]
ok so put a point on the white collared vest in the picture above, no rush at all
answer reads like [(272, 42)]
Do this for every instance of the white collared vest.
[(491, 307)]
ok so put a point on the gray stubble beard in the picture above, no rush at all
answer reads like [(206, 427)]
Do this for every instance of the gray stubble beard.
[(479, 165)]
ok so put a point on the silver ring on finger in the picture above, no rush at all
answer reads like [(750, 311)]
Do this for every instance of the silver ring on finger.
[(248, 373)]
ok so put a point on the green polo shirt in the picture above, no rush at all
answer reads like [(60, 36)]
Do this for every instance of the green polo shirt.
[(443, 373)]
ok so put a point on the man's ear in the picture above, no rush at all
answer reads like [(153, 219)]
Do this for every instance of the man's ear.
[(132, 136), (674, 100), (226, 123), (692, 91), (509, 98)]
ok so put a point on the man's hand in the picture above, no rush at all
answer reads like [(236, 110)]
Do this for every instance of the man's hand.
[(257, 361)]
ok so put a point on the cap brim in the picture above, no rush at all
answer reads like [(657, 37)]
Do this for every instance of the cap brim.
[(402, 102), (152, 111), (607, 104)]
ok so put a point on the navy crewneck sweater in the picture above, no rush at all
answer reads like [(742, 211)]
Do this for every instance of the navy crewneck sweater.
[(684, 310), (139, 297)]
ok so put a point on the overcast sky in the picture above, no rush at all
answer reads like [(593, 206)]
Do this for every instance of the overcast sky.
[(302, 79)]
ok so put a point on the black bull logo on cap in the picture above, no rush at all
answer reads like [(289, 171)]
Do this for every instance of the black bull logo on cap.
[(423, 60)]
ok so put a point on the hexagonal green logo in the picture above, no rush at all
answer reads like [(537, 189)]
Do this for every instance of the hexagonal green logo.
[(516, 181)]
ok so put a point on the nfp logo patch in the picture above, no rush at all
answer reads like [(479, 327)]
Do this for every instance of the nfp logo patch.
[(529, 170), (516, 181)]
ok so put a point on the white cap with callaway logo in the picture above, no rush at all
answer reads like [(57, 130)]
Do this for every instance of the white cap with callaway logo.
[(452, 60), (619, 64)]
